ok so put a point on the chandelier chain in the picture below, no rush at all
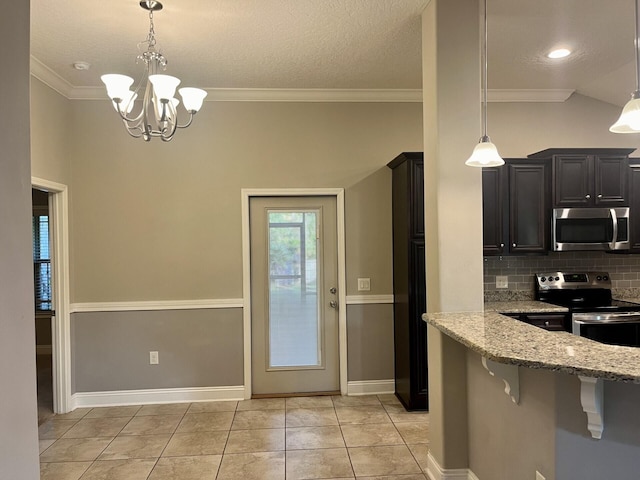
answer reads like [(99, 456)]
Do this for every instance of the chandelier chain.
[(151, 39)]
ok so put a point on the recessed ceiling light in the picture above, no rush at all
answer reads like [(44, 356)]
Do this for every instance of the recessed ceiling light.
[(559, 53)]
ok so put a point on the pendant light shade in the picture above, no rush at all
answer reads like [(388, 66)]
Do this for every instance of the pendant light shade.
[(485, 153), (629, 121)]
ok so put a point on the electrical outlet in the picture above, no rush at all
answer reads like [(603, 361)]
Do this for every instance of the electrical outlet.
[(153, 358), (502, 281), (364, 284), (539, 476)]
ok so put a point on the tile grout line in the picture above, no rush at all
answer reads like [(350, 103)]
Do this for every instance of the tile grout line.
[(169, 441)]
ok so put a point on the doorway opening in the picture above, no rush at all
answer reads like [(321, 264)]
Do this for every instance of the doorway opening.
[(43, 302), (51, 282)]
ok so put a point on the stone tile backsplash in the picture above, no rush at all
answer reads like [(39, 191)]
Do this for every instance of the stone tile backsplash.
[(624, 271)]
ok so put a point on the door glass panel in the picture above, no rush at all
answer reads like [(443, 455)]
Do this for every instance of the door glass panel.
[(294, 320)]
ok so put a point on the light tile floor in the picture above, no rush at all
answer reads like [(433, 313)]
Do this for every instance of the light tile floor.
[(364, 437)]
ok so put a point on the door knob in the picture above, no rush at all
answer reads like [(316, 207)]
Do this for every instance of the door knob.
[(333, 304), (333, 290)]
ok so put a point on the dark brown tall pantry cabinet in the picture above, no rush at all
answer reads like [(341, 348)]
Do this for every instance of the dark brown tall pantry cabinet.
[(409, 283)]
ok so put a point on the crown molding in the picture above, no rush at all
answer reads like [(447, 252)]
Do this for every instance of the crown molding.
[(530, 95), (50, 78), (43, 73)]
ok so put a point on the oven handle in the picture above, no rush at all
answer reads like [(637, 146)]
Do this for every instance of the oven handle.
[(614, 219), (604, 318)]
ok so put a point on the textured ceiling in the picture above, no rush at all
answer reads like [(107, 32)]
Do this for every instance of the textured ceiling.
[(335, 44)]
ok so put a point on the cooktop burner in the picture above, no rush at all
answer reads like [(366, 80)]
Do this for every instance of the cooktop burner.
[(580, 292)]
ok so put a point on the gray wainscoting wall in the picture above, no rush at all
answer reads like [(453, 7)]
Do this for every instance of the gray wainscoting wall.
[(370, 342), (196, 348), (613, 456), (201, 348)]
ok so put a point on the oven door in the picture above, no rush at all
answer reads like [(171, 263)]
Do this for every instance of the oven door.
[(590, 229), (611, 328)]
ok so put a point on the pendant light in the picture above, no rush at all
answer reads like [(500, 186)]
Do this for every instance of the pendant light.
[(629, 121), (485, 154)]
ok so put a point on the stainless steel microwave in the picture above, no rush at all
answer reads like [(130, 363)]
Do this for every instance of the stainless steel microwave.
[(590, 229)]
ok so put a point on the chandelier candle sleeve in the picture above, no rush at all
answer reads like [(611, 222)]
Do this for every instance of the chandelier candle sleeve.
[(158, 114)]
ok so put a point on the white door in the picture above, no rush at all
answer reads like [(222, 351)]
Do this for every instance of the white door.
[(294, 324)]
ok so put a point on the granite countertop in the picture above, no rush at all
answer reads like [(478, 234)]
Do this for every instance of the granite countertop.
[(510, 341), (525, 306)]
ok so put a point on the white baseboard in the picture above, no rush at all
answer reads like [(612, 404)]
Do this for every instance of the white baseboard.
[(371, 387), (436, 472), (160, 395), (44, 350)]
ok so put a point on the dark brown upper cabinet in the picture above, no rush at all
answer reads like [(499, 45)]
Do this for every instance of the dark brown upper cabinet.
[(634, 205), (515, 207), (588, 177)]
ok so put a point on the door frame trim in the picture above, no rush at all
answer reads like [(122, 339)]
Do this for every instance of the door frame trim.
[(338, 193), (61, 334)]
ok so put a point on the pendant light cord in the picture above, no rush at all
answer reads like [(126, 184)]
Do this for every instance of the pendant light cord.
[(636, 94), (485, 66)]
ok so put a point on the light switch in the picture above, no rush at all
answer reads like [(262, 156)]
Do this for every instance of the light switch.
[(364, 284)]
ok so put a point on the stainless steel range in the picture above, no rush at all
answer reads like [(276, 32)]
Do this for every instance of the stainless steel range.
[(594, 313)]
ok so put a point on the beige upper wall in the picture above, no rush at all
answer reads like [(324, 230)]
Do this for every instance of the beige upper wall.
[(50, 122), (519, 129), (162, 221)]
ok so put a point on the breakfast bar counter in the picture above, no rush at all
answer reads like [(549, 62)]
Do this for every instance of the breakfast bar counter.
[(505, 340)]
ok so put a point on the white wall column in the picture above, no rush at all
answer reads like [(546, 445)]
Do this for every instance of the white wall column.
[(453, 209)]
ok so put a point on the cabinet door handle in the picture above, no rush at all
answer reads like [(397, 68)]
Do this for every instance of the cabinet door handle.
[(502, 245), (587, 196), (513, 245), (600, 195)]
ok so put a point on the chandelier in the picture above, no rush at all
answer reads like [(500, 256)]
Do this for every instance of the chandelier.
[(158, 116)]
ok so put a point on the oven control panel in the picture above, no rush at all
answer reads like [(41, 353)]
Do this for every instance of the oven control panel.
[(572, 280)]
